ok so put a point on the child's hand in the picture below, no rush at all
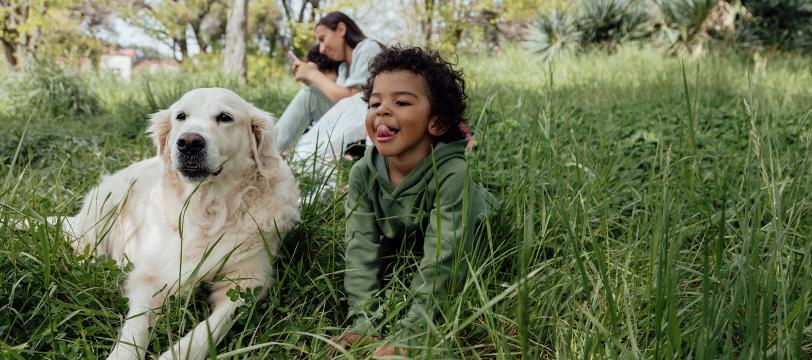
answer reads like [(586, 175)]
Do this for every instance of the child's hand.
[(351, 339), (304, 72), (390, 350)]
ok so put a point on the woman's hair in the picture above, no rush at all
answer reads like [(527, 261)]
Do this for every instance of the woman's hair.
[(353, 36), (444, 85), (322, 61)]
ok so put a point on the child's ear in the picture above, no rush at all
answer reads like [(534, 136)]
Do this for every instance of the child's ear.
[(436, 128)]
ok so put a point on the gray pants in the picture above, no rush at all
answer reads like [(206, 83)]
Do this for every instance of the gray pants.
[(307, 106)]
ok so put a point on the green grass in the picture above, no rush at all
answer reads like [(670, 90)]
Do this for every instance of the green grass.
[(652, 208)]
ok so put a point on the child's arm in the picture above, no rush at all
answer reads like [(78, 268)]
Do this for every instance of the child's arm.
[(447, 245), (363, 242)]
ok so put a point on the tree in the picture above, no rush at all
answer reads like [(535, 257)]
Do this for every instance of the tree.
[(169, 21), (450, 24), (235, 55), (50, 28), (263, 19)]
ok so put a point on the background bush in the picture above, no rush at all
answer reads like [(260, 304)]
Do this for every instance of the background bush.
[(681, 26), (47, 88)]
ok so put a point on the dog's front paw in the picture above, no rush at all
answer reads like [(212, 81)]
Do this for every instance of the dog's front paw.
[(176, 355), (183, 351), (125, 352)]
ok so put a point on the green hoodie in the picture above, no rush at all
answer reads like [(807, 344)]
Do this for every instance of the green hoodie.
[(437, 201)]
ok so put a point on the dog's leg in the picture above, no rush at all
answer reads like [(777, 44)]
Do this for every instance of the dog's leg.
[(195, 345), (145, 297)]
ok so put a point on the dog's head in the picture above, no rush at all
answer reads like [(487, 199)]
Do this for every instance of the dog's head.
[(214, 132)]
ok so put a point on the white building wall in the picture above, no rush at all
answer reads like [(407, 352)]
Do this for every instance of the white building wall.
[(119, 64)]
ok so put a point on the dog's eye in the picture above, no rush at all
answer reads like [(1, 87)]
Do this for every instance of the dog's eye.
[(181, 116), (224, 117)]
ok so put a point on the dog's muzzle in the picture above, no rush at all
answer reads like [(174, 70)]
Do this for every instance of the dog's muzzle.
[(192, 159)]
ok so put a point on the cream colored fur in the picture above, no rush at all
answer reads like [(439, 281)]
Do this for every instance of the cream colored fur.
[(223, 230)]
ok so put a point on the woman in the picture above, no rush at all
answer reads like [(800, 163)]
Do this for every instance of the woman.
[(335, 103)]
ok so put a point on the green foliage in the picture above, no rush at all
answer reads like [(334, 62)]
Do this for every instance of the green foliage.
[(605, 23), (263, 16), (779, 24), (303, 37), (49, 89), (689, 26), (650, 210), (609, 21), (51, 28), (683, 23), (43, 304), (553, 35)]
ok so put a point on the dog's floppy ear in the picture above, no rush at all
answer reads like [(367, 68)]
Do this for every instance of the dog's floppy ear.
[(263, 141), (159, 126)]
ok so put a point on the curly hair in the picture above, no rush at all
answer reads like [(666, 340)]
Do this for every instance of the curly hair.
[(322, 61), (445, 86)]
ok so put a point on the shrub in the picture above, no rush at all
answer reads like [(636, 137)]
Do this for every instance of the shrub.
[(595, 22), (610, 22), (683, 21), (779, 24), (48, 88), (553, 35)]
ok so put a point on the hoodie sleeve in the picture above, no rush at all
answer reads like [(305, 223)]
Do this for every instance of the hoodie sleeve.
[(362, 255), (446, 246)]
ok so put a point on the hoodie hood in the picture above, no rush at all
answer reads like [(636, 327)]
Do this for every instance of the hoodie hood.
[(441, 153)]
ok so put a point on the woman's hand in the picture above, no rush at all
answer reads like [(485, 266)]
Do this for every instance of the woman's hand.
[(390, 350), (295, 66), (304, 72), (351, 339)]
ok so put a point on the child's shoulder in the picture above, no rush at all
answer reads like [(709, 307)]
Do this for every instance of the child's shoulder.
[(360, 168), (450, 157)]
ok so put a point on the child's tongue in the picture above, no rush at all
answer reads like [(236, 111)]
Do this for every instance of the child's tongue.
[(384, 132)]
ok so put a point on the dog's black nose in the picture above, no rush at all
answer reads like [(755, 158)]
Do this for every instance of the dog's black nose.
[(189, 143)]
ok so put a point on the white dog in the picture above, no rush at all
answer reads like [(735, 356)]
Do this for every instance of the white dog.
[(210, 207)]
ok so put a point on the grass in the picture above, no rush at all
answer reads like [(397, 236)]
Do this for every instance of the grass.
[(652, 208)]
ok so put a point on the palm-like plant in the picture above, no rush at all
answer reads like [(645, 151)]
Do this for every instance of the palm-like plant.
[(610, 21), (781, 24), (684, 24), (553, 35)]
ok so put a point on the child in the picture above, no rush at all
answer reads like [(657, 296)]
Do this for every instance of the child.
[(326, 66), (411, 190)]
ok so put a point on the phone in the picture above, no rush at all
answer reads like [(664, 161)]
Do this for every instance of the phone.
[(292, 57)]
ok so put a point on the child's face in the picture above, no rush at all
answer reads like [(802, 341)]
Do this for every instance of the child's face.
[(399, 120)]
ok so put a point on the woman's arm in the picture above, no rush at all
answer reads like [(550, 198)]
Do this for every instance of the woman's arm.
[(310, 74)]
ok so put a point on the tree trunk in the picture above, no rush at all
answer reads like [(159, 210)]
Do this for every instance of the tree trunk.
[(183, 45), (235, 57), (11, 57), (286, 7), (34, 38), (201, 41), (314, 7), (302, 11), (428, 21)]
